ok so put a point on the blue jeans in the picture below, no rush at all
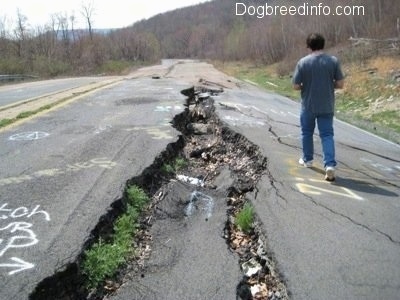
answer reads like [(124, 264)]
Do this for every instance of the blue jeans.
[(325, 128)]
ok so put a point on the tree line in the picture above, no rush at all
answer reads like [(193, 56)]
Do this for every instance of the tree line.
[(210, 30)]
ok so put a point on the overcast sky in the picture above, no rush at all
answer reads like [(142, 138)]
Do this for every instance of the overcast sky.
[(106, 13)]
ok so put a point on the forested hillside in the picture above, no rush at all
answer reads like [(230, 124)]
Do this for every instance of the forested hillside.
[(211, 30)]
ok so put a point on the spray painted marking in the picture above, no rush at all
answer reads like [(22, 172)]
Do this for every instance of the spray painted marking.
[(167, 108), (8, 213), (18, 265), (28, 136), (156, 132), (313, 190), (18, 234), (307, 186), (96, 162), (159, 134), (200, 201), (289, 136), (102, 128), (282, 113), (25, 236), (243, 121), (163, 108), (380, 167)]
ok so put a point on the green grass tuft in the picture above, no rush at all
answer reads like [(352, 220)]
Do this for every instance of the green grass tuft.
[(245, 218), (180, 163), (103, 259), (5, 122), (176, 166)]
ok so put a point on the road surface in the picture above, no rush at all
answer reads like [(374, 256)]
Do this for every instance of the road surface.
[(22, 92), (331, 240), (60, 171)]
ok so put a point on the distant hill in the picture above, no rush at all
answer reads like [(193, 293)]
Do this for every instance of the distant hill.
[(213, 30), (195, 31), (210, 30), (73, 34)]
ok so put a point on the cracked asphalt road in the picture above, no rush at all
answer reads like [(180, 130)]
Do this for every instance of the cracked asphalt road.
[(330, 240), (61, 170)]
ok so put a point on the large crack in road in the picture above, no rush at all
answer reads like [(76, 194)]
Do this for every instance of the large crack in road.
[(222, 164)]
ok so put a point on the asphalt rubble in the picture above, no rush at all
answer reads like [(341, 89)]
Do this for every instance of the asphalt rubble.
[(188, 245)]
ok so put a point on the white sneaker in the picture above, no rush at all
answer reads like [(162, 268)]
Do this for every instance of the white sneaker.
[(307, 164), (330, 174)]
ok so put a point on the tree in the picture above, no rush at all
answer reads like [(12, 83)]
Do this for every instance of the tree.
[(87, 13), (72, 20), (20, 32), (4, 44)]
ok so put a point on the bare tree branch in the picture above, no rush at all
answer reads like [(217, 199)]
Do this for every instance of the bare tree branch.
[(87, 12)]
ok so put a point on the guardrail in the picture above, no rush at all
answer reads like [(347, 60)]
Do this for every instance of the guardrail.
[(4, 78)]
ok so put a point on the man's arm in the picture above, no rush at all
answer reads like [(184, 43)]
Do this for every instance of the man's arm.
[(297, 87), (339, 84), (297, 79)]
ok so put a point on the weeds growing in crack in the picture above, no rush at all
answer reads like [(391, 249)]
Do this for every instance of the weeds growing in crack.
[(245, 217), (177, 165), (104, 258), (260, 280)]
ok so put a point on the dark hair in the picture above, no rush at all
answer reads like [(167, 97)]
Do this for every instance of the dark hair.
[(315, 41)]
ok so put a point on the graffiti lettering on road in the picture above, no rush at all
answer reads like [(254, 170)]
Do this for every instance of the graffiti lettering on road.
[(17, 234), (9, 213), (24, 237), (101, 162), (28, 136)]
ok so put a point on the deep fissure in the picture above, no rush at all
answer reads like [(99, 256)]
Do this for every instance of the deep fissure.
[(209, 146)]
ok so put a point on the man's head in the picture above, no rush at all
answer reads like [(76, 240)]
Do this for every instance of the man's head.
[(315, 42)]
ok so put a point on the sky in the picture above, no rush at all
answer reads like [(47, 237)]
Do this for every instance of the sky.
[(106, 13)]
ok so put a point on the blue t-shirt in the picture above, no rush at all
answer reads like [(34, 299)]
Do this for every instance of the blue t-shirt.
[(317, 73)]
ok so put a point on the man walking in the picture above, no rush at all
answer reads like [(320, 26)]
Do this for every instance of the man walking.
[(317, 75)]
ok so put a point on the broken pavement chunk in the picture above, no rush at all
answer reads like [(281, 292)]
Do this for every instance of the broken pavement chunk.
[(191, 180), (199, 128), (251, 267)]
